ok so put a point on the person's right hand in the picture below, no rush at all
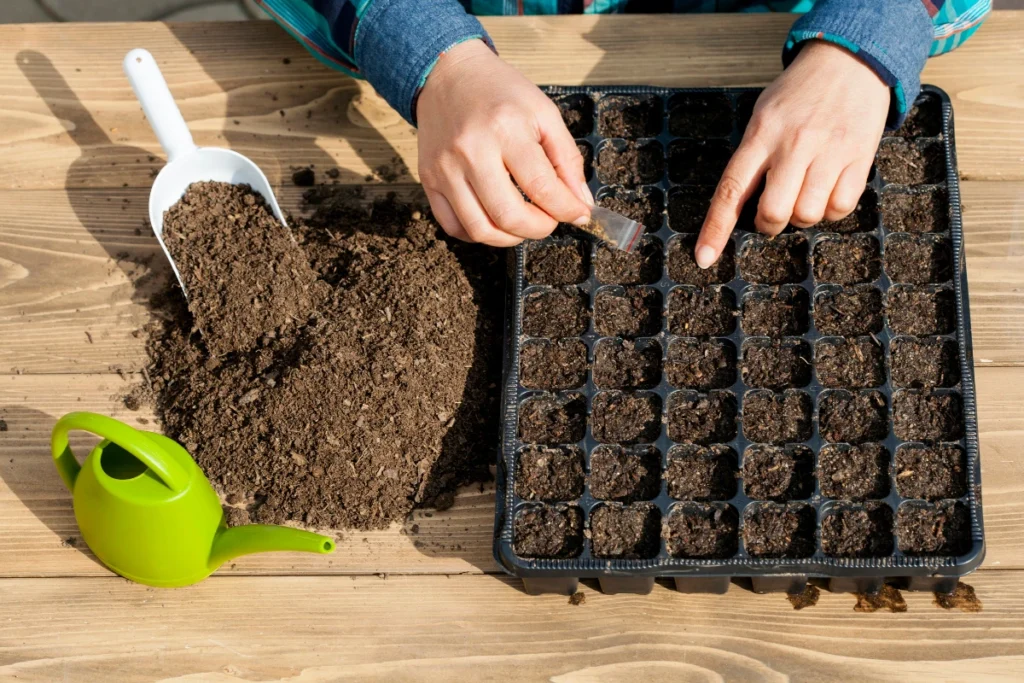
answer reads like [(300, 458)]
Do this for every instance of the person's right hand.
[(480, 120)]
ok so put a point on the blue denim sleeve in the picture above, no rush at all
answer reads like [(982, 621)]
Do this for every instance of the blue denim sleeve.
[(892, 37)]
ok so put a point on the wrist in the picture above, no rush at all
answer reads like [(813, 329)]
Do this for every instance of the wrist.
[(828, 55)]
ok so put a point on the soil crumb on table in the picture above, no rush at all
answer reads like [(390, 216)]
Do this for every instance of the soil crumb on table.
[(807, 598), (577, 598), (888, 599), (962, 598)]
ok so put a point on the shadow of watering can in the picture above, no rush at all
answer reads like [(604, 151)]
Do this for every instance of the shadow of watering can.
[(147, 511)]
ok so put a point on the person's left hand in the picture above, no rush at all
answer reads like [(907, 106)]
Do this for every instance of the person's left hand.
[(813, 137)]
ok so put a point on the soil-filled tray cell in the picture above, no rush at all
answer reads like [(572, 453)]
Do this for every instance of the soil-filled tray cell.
[(627, 312), (702, 418), (700, 115), (847, 260), (931, 472), (556, 263), (548, 419), (625, 531), (625, 364), (630, 163), (924, 363), (547, 531), (920, 311), (629, 116), (555, 313), (911, 162), (857, 530), (707, 312), (695, 364), (864, 217), (642, 266), (856, 363), (698, 162), (547, 364), (853, 472), (775, 311), (942, 528), (645, 205), (779, 473), (779, 530), (773, 261), (683, 268), (925, 210), (848, 311), (619, 417), (688, 207), (577, 113), (849, 417), (777, 418), (926, 416), (776, 363), (924, 120), (701, 530), (625, 475), (701, 472), (918, 259), (550, 474), (587, 152)]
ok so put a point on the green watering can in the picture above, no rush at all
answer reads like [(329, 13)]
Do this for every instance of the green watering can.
[(148, 512)]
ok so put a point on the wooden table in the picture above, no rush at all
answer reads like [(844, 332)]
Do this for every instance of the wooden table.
[(76, 159)]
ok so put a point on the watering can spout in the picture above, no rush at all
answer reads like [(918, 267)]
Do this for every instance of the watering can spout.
[(259, 538)]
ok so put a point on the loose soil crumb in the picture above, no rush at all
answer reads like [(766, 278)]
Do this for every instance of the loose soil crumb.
[(850, 363), (633, 312), (550, 474), (779, 530), (701, 473), (630, 163), (922, 416), (863, 219), (304, 177), (556, 263), (683, 268), (245, 275), (857, 530), (847, 260), (688, 207), (625, 475), (698, 162), (625, 531), (776, 311), (547, 531), (849, 312), (777, 418), (577, 113), (854, 418), (618, 417), (702, 365), (551, 419), (623, 364), (701, 418), (921, 311), (777, 473), (941, 528), (776, 363), (629, 116), (700, 115), (853, 472), (559, 364), (773, 261), (701, 313), (3, 425), (905, 162), (931, 472), (918, 259), (701, 530), (808, 598), (962, 598), (924, 363), (577, 598), (555, 313), (645, 205), (888, 599), (642, 266), (926, 211)]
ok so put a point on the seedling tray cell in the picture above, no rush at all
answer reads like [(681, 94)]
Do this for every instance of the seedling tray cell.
[(805, 408)]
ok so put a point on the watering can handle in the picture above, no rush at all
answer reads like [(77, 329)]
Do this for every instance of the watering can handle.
[(158, 103), (132, 440)]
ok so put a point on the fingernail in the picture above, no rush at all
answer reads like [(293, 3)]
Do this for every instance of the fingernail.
[(588, 196), (705, 256), (581, 221)]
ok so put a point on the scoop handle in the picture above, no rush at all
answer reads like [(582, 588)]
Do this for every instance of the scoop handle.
[(158, 104)]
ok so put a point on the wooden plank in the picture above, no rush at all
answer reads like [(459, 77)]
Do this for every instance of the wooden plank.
[(65, 123), (38, 518), (484, 628), (70, 304)]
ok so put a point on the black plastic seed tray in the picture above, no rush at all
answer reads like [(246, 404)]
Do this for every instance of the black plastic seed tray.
[(634, 414)]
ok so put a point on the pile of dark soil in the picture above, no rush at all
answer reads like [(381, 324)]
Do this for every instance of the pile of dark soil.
[(625, 475), (778, 473), (847, 260), (629, 116), (701, 418), (918, 259), (619, 417), (623, 364), (550, 474), (923, 416), (366, 356), (688, 207), (701, 313), (625, 531), (776, 311), (698, 162), (776, 363), (921, 363), (931, 472), (777, 418), (553, 364), (644, 205), (627, 312), (774, 261), (642, 266), (703, 365), (700, 115), (857, 530), (863, 218), (683, 268), (577, 113), (548, 531), (779, 530), (552, 419), (942, 528), (701, 530), (849, 312), (630, 163), (850, 363), (562, 263), (849, 417), (921, 311), (555, 313), (911, 162), (701, 472), (926, 211), (853, 472)]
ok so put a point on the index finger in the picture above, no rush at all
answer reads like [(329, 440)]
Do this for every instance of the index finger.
[(739, 180)]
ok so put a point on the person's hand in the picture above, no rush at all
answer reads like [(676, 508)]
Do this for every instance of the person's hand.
[(813, 137), (480, 120)]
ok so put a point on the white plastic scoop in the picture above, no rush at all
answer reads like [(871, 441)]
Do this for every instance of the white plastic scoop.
[(186, 163)]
